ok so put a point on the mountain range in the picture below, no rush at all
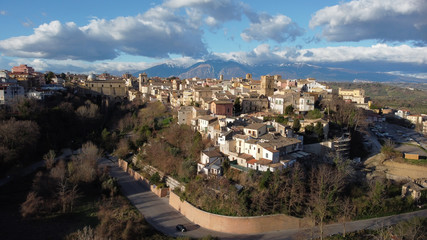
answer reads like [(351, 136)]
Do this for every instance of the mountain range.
[(230, 69)]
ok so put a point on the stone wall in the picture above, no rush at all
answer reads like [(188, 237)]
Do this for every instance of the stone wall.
[(161, 192), (236, 225)]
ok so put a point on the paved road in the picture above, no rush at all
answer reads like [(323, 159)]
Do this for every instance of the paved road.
[(164, 218)]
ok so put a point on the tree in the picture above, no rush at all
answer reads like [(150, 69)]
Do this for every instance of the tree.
[(84, 165), (318, 129), (309, 129), (346, 209), (237, 108), (49, 77), (314, 114), (18, 140), (32, 205), (88, 111), (325, 185), (49, 159), (296, 125), (289, 110)]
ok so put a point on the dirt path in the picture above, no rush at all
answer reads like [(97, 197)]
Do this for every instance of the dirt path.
[(375, 166)]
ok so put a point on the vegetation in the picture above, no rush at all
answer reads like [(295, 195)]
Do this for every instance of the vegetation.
[(289, 110), (237, 107), (414, 228), (314, 114), (30, 128), (389, 95)]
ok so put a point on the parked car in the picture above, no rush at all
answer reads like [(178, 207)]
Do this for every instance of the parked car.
[(181, 228)]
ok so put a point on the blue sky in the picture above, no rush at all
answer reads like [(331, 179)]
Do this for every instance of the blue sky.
[(129, 35)]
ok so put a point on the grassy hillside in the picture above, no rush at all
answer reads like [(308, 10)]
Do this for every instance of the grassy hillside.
[(388, 95)]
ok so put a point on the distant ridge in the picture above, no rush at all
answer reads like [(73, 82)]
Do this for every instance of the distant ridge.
[(230, 69)]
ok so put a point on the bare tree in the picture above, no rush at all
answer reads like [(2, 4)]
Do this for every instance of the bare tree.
[(84, 165), (49, 159), (346, 212), (32, 205), (89, 110), (325, 184)]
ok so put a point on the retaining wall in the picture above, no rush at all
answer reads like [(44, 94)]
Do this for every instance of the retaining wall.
[(236, 225), (161, 192)]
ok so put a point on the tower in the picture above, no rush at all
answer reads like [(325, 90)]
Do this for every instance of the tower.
[(267, 85), (142, 78)]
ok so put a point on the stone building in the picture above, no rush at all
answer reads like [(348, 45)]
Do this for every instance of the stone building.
[(267, 86)]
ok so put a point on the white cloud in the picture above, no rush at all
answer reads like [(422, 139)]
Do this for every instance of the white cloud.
[(3, 12), (384, 20), (375, 53), (156, 33), (27, 23), (414, 75), (215, 12), (278, 28), (80, 66), (263, 26)]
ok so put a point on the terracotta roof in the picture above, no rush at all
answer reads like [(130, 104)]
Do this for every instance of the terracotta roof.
[(252, 161), (246, 156), (264, 161)]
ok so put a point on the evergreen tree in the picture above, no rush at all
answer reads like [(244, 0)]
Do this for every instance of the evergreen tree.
[(296, 125)]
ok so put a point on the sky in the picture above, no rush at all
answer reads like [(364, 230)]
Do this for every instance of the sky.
[(131, 35)]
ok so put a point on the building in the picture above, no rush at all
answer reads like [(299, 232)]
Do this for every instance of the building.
[(306, 103), (255, 130), (425, 128), (402, 113), (10, 92), (23, 68), (267, 86), (415, 119), (222, 108), (110, 88), (414, 188), (210, 163), (355, 95), (341, 146), (26, 76), (258, 104)]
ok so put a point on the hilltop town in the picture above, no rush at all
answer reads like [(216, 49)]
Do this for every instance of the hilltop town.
[(235, 147)]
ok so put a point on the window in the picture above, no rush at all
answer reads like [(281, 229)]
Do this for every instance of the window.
[(258, 150), (266, 155)]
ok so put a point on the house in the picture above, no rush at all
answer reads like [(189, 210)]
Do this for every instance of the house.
[(402, 113), (222, 108), (277, 103), (355, 95), (254, 104), (203, 123), (10, 92), (415, 119), (210, 163), (255, 130), (306, 103), (414, 189)]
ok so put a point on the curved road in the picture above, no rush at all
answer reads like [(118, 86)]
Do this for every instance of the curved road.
[(164, 218)]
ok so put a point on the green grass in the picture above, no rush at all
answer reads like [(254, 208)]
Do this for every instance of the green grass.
[(420, 162)]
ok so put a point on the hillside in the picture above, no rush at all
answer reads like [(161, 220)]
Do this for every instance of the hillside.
[(230, 69), (390, 95)]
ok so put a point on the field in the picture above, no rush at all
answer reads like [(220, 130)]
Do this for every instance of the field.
[(389, 95)]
